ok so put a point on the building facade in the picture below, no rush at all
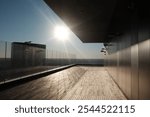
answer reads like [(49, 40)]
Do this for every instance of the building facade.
[(27, 54)]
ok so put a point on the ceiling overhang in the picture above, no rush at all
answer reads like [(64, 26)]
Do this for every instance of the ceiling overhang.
[(88, 19)]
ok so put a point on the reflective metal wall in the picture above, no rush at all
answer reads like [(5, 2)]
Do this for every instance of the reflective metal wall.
[(130, 68), (128, 57)]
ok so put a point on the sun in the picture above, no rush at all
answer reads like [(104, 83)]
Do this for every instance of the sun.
[(61, 33)]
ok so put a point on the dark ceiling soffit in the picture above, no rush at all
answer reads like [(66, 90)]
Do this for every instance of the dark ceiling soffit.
[(88, 19)]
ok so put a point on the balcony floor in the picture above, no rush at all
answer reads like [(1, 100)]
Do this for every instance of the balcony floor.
[(79, 83)]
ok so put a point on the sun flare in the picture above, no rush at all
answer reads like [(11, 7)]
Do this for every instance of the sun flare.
[(61, 33)]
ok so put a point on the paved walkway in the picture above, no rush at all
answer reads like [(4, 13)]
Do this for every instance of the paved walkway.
[(95, 84), (73, 83)]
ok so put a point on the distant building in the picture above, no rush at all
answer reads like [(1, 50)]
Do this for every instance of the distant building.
[(27, 54)]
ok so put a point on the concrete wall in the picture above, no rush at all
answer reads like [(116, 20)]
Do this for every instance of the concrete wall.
[(128, 57)]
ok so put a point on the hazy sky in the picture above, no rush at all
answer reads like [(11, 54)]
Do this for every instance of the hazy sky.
[(33, 20)]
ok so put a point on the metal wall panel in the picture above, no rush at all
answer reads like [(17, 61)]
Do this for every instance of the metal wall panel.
[(130, 67), (144, 54), (134, 72), (133, 51), (127, 75), (144, 70)]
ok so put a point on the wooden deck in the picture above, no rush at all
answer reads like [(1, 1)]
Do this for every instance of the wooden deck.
[(77, 83)]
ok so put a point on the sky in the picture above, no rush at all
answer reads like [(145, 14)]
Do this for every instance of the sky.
[(33, 20)]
